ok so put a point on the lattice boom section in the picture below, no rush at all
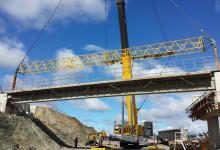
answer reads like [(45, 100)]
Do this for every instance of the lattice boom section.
[(178, 47)]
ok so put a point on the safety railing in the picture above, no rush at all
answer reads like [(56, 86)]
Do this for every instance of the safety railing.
[(144, 69)]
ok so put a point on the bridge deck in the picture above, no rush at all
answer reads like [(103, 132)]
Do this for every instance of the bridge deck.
[(176, 83)]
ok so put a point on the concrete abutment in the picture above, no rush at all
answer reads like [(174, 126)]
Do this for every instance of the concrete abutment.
[(3, 102)]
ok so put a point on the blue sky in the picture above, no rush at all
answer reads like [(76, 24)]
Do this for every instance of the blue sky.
[(79, 28)]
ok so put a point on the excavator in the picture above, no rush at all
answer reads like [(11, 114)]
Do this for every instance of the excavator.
[(129, 133)]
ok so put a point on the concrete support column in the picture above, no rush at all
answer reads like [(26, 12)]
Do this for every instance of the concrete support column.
[(3, 102), (213, 130), (217, 86)]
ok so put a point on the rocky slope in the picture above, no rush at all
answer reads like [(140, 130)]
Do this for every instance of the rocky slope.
[(65, 127), (21, 133), (49, 130)]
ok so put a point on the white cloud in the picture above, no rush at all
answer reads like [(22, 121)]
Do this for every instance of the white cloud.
[(34, 13), (76, 71), (73, 75), (64, 52), (11, 52), (93, 47), (80, 68), (217, 6), (94, 104), (169, 110), (5, 82), (22, 82), (149, 68)]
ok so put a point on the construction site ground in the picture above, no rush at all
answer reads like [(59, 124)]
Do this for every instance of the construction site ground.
[(19, 132), (115, 148)]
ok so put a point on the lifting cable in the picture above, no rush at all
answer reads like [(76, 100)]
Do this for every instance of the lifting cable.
[(161, 29), (40, 32), (147, 97), (194, 23), (210, 42), (35, 42), (158, 20), (190, 19), (187, 16), (164, 37)]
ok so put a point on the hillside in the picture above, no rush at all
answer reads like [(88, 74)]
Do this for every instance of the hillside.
[(21, 133), (65, 127), (49, 130)]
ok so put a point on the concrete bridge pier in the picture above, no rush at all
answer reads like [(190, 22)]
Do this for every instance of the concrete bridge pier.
[(207, 107), (217, 86), (3, 102), (213, 130), (7, 107), (213, 122)]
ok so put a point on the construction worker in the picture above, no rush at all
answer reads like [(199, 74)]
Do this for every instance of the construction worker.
[(100, 142), (76, 142)]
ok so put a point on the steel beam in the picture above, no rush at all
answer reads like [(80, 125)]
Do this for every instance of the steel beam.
[(179, 83)]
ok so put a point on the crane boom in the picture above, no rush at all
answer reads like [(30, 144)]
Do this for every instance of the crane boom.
[(158, 50)]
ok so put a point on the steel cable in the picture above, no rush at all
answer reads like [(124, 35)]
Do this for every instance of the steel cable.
[(41, 31), (159, 20)]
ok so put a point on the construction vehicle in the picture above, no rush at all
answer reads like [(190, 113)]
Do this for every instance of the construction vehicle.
[(96, 139), (92, 139), (130, 133)]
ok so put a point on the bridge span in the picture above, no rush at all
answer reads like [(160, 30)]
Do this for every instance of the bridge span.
[(186, 82)]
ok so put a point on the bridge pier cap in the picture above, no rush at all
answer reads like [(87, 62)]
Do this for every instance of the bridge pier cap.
[(3, 102)]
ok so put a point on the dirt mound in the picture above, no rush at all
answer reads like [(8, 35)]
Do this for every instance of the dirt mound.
[(21, 133), (65, 127)]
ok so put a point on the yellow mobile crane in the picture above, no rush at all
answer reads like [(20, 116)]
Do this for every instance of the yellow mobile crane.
[(131, 128), (128, 133)]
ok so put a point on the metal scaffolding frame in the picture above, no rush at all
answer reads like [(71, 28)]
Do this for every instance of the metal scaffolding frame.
[(140, 70), (164, 49), (205, 105)]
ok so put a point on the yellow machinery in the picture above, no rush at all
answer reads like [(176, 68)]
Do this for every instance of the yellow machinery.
[(102, 134), (142, 52), (94, 138), (94, 148)]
